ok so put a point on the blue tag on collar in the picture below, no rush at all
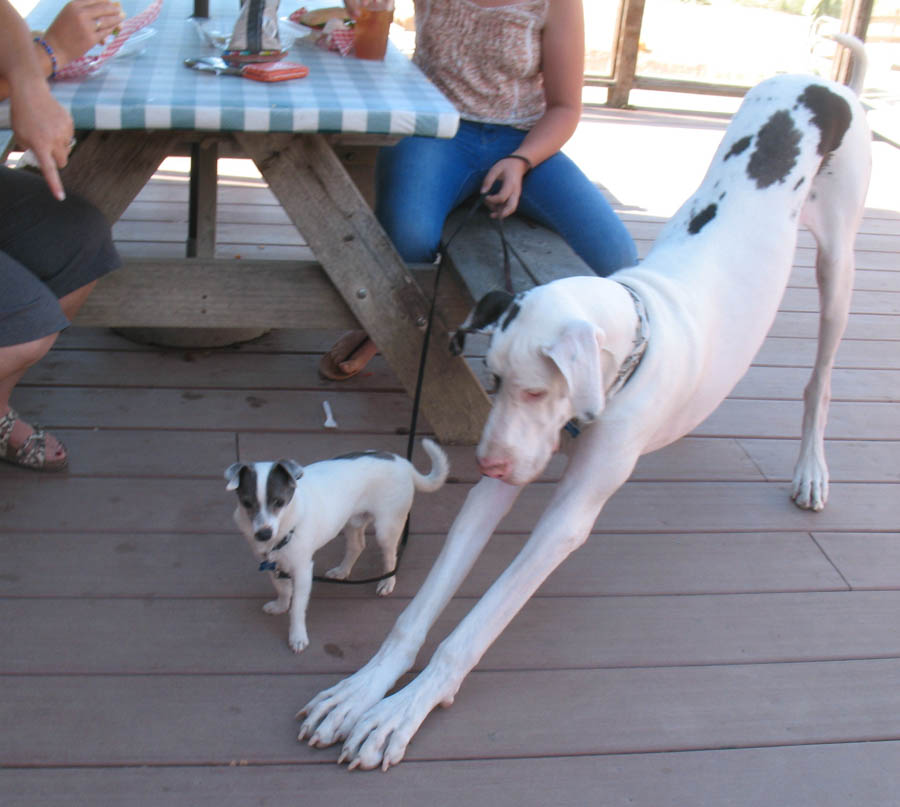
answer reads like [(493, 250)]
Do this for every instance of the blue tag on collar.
[(572, 428), (268, 566)]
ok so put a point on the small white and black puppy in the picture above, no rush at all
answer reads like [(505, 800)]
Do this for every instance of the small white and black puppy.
[(287, 511)]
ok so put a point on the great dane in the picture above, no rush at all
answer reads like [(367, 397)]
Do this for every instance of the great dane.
[(699, 307)]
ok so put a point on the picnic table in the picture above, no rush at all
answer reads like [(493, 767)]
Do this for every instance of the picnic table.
[(138, 109)]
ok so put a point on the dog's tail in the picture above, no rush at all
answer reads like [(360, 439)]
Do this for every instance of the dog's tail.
[(859, 61), (440, 467)]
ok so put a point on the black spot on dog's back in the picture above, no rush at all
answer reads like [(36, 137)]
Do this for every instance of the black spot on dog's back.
[(740, 146), (776, 152), (703, 218), (831, 114)]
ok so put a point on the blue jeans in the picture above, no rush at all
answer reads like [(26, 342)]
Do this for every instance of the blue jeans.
[(420, 180)]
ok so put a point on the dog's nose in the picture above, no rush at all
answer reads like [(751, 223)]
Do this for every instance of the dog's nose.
[(262, 535), (496, 469)]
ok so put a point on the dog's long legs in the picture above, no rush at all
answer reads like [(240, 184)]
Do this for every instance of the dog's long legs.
[(833, 216), (332, 713), (382, 734)]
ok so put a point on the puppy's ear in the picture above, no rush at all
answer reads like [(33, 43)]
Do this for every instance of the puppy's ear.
[(577, 355), (482, 318), (292, 467), (233, 475)]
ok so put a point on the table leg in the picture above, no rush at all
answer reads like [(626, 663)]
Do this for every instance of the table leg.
[(324, 204), (201, 241), (110, 168)]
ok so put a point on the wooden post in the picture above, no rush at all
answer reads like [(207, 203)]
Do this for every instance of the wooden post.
[(201, 242), (631, 16)]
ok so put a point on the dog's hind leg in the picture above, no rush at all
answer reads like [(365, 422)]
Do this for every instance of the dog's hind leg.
[(388, 532), (355, 542), (832, 214)]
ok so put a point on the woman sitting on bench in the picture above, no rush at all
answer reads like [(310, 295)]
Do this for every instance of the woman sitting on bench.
[(515, 71)]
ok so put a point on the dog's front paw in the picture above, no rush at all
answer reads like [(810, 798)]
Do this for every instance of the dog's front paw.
[(337, 573), (298, 642), (809, 488), (277, 606), (332, 713), (380, 737)]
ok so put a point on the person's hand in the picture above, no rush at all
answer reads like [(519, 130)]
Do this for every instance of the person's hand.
[(353, 7), (505, 180), (80, 25), (42, 125)]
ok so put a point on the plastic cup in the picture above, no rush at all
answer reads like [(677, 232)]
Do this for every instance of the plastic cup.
[(373, 23)]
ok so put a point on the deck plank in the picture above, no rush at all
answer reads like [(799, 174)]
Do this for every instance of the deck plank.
[(208, 636), (201, 505), (802, 776), (204, 720), (164, 565)]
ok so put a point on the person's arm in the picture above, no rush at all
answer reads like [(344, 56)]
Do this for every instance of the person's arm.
[(79, 26), (562, 57), (38, 121)]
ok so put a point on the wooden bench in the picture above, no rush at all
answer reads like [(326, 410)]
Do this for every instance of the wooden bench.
[(475, 255)]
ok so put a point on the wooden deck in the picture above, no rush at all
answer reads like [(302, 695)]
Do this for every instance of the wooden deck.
[(710, 645)]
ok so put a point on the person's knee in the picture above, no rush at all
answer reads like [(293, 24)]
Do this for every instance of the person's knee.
[(88, 223)]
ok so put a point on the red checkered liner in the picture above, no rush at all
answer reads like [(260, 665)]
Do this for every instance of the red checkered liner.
[(88, 64), (341, 40)]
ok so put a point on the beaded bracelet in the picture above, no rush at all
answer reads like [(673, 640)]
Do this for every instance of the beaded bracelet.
[(53, 65), (523, 158)]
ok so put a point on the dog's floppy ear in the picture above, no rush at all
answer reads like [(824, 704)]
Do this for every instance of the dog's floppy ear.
[(577, 355), (482, 318), (293, 468), (233, 475)]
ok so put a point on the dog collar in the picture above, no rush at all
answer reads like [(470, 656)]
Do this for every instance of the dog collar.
[(639, 346), (271, 565)]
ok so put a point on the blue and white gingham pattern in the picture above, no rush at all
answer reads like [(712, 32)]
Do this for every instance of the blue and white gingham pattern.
[(154, 90)]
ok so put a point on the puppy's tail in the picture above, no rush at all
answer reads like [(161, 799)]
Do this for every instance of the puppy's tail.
[(440, 467), (859, 61)]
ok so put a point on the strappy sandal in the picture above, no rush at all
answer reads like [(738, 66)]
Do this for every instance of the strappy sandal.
[(343, 350), (33, 452)]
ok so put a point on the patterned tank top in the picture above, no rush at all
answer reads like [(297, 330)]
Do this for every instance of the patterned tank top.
[(487, 61)]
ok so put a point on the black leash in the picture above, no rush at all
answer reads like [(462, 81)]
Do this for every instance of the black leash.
[(420, 378)]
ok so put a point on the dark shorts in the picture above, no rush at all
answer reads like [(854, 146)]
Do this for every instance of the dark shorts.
[(48, 249)]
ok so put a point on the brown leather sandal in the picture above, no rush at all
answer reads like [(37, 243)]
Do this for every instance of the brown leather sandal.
[(343, 350), (32, 453)]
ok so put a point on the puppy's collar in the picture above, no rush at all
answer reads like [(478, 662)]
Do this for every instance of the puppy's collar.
[(271, 565)]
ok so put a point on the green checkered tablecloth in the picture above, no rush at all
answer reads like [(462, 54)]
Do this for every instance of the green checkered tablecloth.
[(153, 89)]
